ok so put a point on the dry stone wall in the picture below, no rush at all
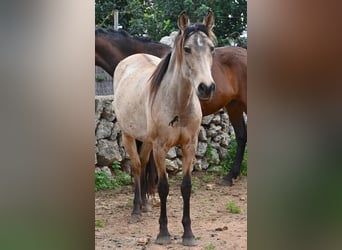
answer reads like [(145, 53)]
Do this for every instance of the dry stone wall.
[(215, 130)]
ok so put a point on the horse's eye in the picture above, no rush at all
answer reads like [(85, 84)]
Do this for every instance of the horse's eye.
[(187, 50)]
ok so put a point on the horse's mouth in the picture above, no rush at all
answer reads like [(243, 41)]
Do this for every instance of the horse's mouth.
[(205, 98)]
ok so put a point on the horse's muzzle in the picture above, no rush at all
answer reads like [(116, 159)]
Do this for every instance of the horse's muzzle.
[(206, 92)]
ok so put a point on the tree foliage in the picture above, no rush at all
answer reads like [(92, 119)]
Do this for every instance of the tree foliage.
[(158, 18)]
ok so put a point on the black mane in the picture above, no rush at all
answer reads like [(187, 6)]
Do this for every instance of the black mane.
[(112, 33)]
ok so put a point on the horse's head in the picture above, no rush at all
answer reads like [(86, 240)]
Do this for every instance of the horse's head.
[(194, 46)]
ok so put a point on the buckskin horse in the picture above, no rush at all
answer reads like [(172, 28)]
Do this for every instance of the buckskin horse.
[(149, 93), (229, 71)]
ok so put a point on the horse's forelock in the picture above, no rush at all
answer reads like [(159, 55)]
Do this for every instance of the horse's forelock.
[(183, 36)]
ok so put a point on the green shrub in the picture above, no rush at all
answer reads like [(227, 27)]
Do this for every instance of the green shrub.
[(233, 208), (230, 156), (121, 178), (99, 223), (210, 247), (209, 154), (104, 181)]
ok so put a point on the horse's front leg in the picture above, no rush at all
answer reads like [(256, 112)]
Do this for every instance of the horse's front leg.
[(188, 152), (159, 153), (131, 149)]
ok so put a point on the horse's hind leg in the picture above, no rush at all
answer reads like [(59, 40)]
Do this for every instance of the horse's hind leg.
[(188, 152), (144, 158), (235, 112), (131, 149)]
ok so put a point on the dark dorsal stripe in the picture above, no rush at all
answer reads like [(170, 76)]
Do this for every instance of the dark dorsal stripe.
[(122, 33)]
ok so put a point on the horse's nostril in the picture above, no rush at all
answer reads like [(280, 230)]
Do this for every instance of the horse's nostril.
[(212, 87), (202, 87)]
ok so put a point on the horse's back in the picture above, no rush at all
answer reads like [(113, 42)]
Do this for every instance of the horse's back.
[(131, 89), (231, 63)]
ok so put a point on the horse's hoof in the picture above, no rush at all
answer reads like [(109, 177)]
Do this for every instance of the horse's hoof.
[(226, 182), (146, 208), (189, 241), (135, 218), (163, 240)]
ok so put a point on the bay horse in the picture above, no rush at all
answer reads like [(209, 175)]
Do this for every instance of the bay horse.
[(149, 94), (229, 71)]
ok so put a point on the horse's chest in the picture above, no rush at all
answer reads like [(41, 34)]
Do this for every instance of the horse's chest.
[(178, 131)]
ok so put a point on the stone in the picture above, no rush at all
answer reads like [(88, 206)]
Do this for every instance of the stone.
[(98, 108), (225, 141), (107, 170), (217, 138), (116, 131), (216, 119), (178, 152), (108, 152), (108, 112), (202, 136), (171, 165), (179, 163), (222, 152), (104, 129), (201, 149), (207, 119), (203, 164), (172, 153)]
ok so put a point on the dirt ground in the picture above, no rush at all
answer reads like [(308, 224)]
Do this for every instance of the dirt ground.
[(212, 224)]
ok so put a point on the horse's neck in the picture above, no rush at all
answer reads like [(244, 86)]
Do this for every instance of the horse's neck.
[(179, 88), (109, 51), (106, 55)]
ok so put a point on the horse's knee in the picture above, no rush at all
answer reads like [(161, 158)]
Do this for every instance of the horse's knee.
[(163, 187), (136, 167)]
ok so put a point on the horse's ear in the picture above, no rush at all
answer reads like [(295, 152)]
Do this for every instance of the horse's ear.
[(209, 20), (183, 21)]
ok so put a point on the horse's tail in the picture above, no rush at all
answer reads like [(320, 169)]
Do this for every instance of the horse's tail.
[(150, 180), (151, 176)]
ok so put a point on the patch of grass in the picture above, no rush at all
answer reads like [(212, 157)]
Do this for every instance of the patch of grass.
[(230, 156), (172, 180), (219, 170), (179, 176), (103, 181), (120, 178), (130, 202), (194, 183), (197, 237), (99, 78), (195, 180), (210, 247), (208, 178), (209, 154), (99, 223), (233, 208)]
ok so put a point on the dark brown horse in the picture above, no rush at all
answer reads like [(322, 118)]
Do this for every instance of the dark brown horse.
[(229, 71)]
